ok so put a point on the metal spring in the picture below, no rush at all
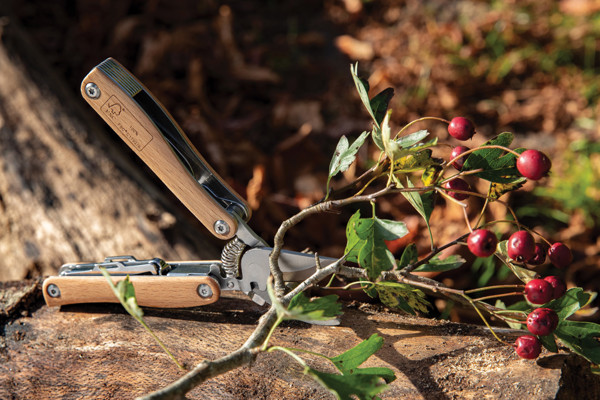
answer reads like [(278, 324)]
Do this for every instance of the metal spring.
[(230, 257)]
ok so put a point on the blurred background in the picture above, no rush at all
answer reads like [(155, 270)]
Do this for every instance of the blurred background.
[(263, 89)]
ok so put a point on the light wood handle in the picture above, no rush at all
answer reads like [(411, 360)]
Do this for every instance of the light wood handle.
[(150, 291), (119, 105)]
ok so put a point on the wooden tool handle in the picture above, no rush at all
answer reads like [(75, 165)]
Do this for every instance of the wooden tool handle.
[(150, 290), (125, 106)]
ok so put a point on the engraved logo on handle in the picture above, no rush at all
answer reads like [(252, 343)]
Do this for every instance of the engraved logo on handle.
[(127, 124)]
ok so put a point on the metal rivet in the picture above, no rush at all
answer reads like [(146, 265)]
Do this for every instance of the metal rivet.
[(204, 290), (230, 285), (53, 290), (221, 227), (92, 90)]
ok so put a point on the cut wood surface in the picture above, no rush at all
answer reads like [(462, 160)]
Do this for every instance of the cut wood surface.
[(100, 352)]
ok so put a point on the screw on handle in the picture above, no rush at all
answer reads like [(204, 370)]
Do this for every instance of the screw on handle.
[(149, 130)]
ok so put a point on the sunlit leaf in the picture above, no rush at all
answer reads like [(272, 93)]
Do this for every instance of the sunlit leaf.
[(365, 385), (353, 242), (402, 296), (496, 164), (411, 139), (413, 161), (438, 265), (374, 256), (344, 155), (351, 359), (431, 174), (422, 202), (570, 302), (498, 189)]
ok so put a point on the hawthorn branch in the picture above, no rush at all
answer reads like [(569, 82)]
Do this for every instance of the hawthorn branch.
[(246, 354), (279, 284)]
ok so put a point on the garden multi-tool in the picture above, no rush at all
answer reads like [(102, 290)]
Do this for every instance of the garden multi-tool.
[(129, 108)]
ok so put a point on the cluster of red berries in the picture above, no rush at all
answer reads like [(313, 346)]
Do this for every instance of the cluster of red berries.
[(532, 164), (521, 246)]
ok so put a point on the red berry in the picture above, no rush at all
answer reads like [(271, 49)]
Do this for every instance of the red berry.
[(521, 246), (533, 164), (528, 347), (538, 291), (461, 128), (457, 151), (560, 255), (482, 243), (539, 255), (542, 321), (558, 286), (457, 184)]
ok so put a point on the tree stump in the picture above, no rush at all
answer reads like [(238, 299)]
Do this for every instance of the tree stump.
[(99, 351)]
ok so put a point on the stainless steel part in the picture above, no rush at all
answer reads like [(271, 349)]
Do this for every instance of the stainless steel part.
[(117, 265), (92, 90), (230, 257), (53, 290)]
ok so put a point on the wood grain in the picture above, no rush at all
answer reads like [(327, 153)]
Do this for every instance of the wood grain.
[(150, 291), (133, 125)]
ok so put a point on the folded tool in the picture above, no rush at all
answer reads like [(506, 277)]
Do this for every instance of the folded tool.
[(150, 131)]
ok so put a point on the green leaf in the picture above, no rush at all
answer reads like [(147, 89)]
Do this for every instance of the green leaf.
[(412, 139), (581, 338), (364, 385), (402, 296), (570, 302), (379, 104), (344, 155), (351, 359), (353, 243), (316, 309), (410, 255), (362, 86), (374, 255), (422, 202), (497, 165), (301, 308), (431, 174), (413, 161), (549, 343), (447, 264)]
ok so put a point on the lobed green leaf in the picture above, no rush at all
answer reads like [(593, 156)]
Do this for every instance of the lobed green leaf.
[(351, 359), (364, 385)]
